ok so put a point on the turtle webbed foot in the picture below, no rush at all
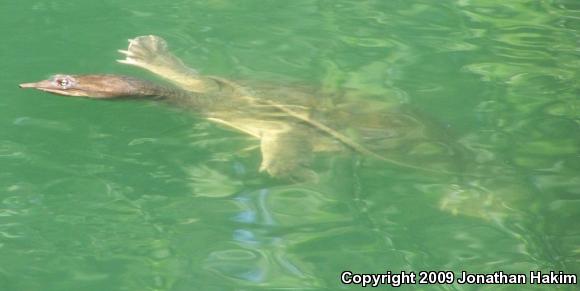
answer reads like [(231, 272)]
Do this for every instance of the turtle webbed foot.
[(150, 52), (287, 155)]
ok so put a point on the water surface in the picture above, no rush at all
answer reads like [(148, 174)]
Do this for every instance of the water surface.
[(137, 196)]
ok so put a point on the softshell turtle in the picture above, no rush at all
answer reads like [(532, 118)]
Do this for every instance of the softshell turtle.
[(290, 126)]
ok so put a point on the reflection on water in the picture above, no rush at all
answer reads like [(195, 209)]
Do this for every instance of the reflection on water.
[(128, 196)]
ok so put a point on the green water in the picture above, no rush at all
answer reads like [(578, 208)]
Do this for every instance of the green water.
[(134, 196)]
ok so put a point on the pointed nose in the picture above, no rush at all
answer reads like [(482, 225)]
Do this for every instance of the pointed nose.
[(37, 85), (27, 85)]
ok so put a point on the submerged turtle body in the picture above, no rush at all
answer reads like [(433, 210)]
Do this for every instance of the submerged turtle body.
[(290, 126)]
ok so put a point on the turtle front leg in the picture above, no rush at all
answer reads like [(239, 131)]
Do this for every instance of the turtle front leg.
[(151, 53), (287, 155)]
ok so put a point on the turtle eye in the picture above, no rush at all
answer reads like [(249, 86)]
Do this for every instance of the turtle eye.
[(63, 83)]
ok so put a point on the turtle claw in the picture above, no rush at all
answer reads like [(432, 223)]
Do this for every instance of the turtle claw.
[(127, 61), (125, 52)]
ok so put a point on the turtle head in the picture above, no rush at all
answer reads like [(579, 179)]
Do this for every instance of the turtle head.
[(92, 86)]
